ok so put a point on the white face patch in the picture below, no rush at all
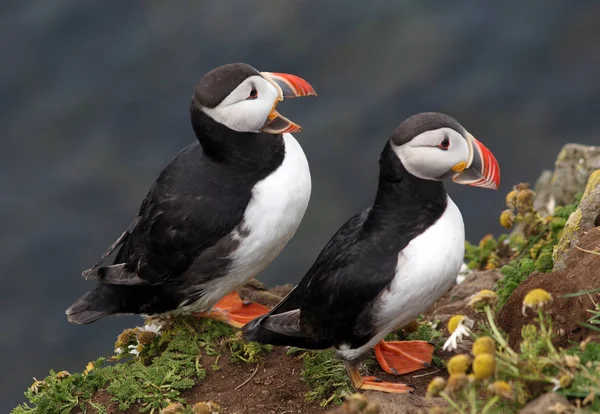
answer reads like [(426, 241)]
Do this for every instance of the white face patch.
[(423, 157), (241, 114)]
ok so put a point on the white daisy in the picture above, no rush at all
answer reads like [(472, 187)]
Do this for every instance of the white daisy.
[(133, 350), (462, 275), (151, 328), (463, 329)]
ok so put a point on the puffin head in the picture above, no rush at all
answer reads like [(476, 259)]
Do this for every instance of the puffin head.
[(435, 146), (244, 100)]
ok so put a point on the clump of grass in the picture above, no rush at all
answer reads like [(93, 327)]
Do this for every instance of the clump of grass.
[(326, 377), (157, 366), (248, 352)]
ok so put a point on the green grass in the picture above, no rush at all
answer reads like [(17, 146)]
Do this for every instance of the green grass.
[(168, 364), (326, 377)]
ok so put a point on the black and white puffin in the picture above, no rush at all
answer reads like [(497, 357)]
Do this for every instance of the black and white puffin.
[(390, 262), (219, 212)]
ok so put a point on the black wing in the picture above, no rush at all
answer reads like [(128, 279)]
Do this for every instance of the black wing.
[(351, 271), (327, 306), (185, 212)]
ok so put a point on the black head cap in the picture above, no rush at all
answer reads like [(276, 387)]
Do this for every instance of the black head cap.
[(219, 82), (423, 122)]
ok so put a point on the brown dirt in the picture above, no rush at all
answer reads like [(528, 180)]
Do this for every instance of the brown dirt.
[(276, 387), (581, 273)]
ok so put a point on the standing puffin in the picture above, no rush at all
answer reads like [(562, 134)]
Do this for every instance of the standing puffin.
[(390, 262), (219, 212)]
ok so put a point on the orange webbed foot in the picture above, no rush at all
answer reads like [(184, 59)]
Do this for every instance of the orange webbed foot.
[(377, 384), (234, 311), (402, 357)]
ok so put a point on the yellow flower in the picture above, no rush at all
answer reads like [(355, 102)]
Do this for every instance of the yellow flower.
[(88, 368), (146, 338), (206, 408), (357, 402), (482, 299), (126, 337), (459, 364), (502, 389), (484, 345), (62, 374), (458, 326), (453, 323), (411, 327), (456, 382), (436, 386), (511, 199), (173, 408), (507, 219), (525, 200), (536, 299), (565, 380), (484, 366), (37, 386)]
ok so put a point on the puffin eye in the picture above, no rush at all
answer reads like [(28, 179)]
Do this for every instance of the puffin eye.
[(253, 94), (445, 144)]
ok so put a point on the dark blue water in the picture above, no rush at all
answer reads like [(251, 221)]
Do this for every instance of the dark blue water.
[(95, 101)]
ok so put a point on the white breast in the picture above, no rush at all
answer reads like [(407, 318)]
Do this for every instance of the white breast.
[(426, 269), (272, 216)]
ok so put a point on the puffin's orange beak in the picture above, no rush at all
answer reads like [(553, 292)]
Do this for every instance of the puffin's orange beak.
[(482, 170), (288, 86)]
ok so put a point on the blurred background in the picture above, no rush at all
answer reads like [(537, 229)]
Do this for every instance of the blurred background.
[(95, 100)]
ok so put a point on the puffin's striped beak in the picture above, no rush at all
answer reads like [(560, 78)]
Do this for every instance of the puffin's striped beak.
[(288, 86), (482, 169)]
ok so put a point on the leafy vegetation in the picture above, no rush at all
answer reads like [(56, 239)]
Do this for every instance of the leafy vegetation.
[(527, 250), (161, 362), (326, 377), (499, 379)]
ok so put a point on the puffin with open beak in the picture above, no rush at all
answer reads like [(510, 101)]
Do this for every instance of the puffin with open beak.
[(389, 263), (219, 212)]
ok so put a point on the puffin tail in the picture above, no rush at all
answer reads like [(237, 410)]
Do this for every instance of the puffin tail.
[(89, 308), (106, 299)]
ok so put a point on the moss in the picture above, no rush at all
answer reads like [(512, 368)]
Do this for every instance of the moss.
[(544, 261), (326, 377), (593, 182), (514, 273), (168, 364), (568, 235)]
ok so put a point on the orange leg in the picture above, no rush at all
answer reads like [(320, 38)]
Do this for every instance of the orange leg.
[(233, 311), (376, 384), (401, 357)]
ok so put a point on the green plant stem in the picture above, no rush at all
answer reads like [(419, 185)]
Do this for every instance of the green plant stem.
[(546, 333), (490, 404), (497, 335), (472, 398), (452, 403)]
